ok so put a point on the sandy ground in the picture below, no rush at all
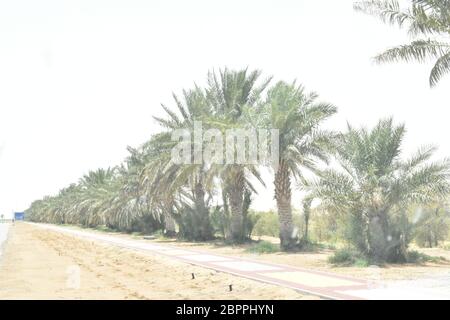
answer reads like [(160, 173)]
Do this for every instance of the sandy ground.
[(4, 227), (42, 264), (316, 260)]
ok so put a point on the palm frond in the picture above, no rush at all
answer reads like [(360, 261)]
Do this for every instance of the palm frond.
[(419, 50), (441, 68)]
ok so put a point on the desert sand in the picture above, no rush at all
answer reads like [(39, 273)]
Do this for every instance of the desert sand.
[(41, 264)]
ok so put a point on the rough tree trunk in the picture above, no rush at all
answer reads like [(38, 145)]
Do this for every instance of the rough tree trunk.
[(288, 239), (169, 221), (226, 215), (236, 194), (169, 225), (306, 213), (384, 246), (203, 221)]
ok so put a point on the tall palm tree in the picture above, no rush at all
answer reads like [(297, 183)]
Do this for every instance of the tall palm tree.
[(229, 93), (428, 21), (129, 204), (374, 187), (190, 108), (297, 116), (156, 181)]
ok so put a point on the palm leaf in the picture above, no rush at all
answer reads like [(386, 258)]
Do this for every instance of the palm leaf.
[(441, 68)]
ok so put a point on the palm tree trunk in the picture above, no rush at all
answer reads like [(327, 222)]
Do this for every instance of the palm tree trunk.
[(237, 219), (377, 238), (169, 225), (288, 238), (204, 223), (236, 194), (226, 215), (169, 221), (384, 246), (306, 214)]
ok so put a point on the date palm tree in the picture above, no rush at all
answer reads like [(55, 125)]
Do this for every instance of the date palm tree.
[(427, 21), (96, 188), (191, 108), (297, 116), (129, 204), (374, 187), (229, 93), (156, 182)]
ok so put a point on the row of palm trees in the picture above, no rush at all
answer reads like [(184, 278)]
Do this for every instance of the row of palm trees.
[(369, 182)]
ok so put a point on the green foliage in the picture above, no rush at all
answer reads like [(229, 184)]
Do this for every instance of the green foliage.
[(355, 232), (414, 256), (361, 263), (263, 247), (192, 225), (351, 257), (220, 221), (250, 221), (104, 228), (432, 225), (348, 257), (267, 224), (325, 226), (423, 19), (374, 186)]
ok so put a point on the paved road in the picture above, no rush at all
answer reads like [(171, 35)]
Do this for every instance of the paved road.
[(324, 284)]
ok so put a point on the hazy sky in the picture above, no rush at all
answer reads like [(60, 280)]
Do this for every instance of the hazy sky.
[(80, 80)]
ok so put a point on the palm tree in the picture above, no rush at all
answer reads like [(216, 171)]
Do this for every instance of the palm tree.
[(191, 108), (129, 204), (297, 116), (229, 93), (155, 180), (374, 187), (424, 19), (96, 189)]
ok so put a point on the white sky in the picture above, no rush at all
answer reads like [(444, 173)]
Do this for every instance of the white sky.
[(80, 80)]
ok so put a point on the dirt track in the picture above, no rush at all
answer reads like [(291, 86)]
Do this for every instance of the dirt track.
[(41, 264)]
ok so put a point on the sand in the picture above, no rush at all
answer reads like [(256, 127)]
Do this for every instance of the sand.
[(4, 227), (317, 260), (42, 264)]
